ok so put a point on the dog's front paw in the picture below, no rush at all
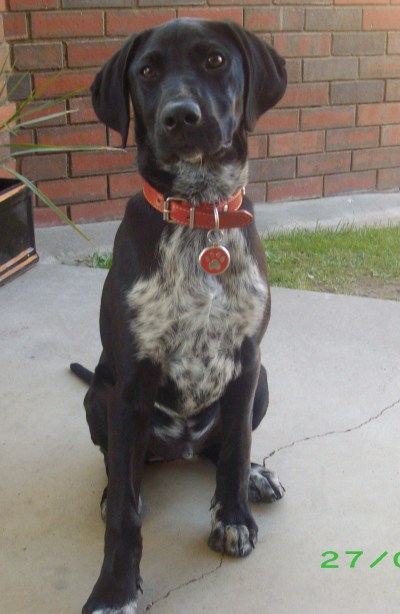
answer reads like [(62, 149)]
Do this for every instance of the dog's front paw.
[(128, 608), (264, 485), (234, 537), (107, 599)]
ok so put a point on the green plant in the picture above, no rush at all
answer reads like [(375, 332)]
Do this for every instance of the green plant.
[(22, 118)]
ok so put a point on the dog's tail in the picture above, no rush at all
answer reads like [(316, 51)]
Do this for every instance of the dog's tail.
[(82, 372)]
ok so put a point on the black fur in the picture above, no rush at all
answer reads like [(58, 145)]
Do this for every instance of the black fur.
[(197, 88)]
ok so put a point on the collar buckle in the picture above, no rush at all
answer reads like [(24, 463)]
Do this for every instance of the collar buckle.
[(167, 210)]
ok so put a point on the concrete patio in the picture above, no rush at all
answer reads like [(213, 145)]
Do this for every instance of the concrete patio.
[(331, 433)]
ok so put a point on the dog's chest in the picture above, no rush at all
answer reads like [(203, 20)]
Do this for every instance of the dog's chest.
[(192, 323)]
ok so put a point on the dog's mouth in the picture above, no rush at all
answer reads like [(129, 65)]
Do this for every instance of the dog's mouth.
[(198, 156)]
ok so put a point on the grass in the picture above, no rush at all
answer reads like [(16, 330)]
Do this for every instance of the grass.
[(346, 260)]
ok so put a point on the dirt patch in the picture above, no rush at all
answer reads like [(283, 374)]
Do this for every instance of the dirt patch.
[(376, 287)]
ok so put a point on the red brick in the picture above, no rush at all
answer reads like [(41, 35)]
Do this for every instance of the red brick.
[(391, 135), (98, 211), (114, 138), (81, 189), (218, 2), (32, 5), (7, 110), (73, 24), (21, 139), (124, 185), (323, 164), (45, 167), (380, 67), (83, 112), (96, 4), (311, 187), (393, 42), (91, 53), (333, 19), (219, 14), (272, 168), (73, 136), (4, 174), (303, 45), (310, 95), (388, 178), (330, 69), (65, 83), (378, 114), (38, 112), (257, 192), (294, 69), (352, 138), (349, 182), (257, 146), (44, 216), (328, 117), (262, 20), (15, 26), (383, 157), (387, 18), (123, 23), (357, 92), (296, 143), (292, 19), (102, 162), (359, 43), (279, 121), (393, 89), (33, 56), (353, 2)]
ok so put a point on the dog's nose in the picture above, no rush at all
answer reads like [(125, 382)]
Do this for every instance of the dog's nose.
[(180, 113)]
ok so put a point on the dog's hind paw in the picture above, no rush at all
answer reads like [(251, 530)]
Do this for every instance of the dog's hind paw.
[(264, 485)]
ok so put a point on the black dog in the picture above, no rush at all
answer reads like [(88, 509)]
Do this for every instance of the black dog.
[(180, 370)]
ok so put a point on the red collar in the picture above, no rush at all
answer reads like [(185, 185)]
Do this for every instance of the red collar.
[(179, 211)]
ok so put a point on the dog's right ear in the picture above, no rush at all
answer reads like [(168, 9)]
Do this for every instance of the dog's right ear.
[(110, 90)]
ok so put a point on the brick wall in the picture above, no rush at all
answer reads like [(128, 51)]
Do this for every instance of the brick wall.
[(336, 131)]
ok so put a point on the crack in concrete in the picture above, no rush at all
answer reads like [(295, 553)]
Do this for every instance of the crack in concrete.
[(340, 432), (184, 584)]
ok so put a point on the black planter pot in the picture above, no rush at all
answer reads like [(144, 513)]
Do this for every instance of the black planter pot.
[(17, 238)]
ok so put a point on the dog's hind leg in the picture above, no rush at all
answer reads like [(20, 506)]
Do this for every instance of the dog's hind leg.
[(96, 402), (264, 485)]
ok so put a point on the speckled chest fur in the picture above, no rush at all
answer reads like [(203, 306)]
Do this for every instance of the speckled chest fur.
[(192, 323)]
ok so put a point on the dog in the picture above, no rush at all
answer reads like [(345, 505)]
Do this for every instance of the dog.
[(186, 301)]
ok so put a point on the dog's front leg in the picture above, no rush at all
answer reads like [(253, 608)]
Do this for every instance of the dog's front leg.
[(234, 530), (129, 418)]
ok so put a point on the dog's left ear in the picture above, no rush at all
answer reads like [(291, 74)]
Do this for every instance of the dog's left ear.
[(110, 90), (265, 74)]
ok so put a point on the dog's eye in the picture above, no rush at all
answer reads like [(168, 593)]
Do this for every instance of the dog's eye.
[(148, 73), (215, 60)]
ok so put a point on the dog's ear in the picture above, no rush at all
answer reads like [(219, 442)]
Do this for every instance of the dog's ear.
[(110, 90), (265, 74)]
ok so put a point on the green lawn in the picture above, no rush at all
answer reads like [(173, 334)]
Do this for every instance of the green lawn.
[(347, 260)]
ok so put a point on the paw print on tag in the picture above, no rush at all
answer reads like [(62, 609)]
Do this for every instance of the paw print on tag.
[(214, 260)]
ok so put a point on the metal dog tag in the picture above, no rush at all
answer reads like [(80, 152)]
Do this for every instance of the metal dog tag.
[(215, 259)]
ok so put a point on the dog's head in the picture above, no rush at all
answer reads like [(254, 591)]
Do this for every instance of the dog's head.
[(197, 87), (189, 77)]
